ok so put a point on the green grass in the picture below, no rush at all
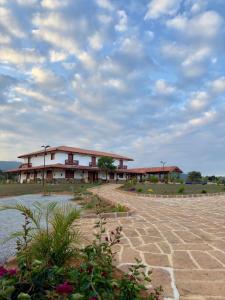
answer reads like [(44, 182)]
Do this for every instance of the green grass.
[(173, 189), (16, 189)]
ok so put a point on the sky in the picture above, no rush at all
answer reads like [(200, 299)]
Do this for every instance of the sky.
[(142, 78)]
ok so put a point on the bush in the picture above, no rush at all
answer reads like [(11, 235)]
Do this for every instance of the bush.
[(181, 190), (154, 179), (119, 208), (139, 190), (89, 275), (203, 192)]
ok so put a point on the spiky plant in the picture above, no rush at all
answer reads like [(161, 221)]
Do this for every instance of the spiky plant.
[(51, 234)]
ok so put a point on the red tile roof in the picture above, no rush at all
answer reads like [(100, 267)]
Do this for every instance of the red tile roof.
[(156, 170), (78, 151)]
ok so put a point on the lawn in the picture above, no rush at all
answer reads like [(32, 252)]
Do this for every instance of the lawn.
[(16, 189), (173, 189)]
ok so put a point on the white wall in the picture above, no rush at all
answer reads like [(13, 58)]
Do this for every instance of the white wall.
[(60, 157)]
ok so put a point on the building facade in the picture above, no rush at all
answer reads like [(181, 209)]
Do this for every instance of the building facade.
[(60, 164), (69, 164)]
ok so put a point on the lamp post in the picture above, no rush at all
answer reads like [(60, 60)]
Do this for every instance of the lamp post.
[(163, 164), (43, 173)]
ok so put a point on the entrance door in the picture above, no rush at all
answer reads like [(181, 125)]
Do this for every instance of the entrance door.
[(49, 174), (69, 174), (92, 176), (111, 176)]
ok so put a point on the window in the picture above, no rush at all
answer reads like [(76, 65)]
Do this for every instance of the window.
[(120, 175), (52, 156)]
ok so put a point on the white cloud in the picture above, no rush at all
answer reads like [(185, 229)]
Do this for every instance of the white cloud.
[(10, 23), (27, 2), (218, 85), (158, 8), (96, 41), (5, 39), (106, 4), (18, 57), (199, 100), (205, 25), (45, 77), (56, 56), (55, 38), (206, 118), (54, 4), (163, 88), (116, 84), (87, 60), (122, 25), (53, 20)]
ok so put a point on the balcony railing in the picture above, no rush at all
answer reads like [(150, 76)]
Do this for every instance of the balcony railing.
[(28, 165), (72, 162), (122, 167), (91, 164)]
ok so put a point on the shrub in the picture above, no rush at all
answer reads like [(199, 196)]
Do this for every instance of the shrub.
[(139, 190), (150, 191), (48, 235), (154, 179), (119, 208), (92, 276), (203, 192), (181, 190)]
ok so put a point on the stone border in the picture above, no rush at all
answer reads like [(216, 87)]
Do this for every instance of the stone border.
[(113, 215), (128, 213), (172, 196)]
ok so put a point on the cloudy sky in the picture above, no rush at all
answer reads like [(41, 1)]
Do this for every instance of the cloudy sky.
[(144, 78)]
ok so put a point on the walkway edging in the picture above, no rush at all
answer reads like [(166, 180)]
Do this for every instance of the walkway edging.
[(171, 196)]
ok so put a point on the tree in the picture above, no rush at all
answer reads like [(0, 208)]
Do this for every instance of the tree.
[(194, 176), (106, 164)]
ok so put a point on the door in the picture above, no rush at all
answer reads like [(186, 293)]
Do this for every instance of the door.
[(49, 174), (90, 177), (69, 174), (111, 176)]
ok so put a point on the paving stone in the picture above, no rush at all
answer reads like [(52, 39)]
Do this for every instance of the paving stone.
[(192, 288), (206, 261), (190, 246), (157, 259), (182, 260), (164, 247), (190, 233), (148, 248), (200, 275), (129, 255), (162, 278), (219, 255)]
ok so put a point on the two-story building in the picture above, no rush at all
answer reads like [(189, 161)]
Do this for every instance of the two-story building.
[(69, 163)]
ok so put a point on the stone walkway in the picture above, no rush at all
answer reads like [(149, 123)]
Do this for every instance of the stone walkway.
[(181, 240)]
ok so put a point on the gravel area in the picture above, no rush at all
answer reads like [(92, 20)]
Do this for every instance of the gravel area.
[(11, 220)]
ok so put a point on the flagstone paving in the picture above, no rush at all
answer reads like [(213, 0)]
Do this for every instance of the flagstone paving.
[(181, 240)]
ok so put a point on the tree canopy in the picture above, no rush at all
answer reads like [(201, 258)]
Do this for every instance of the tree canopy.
[(194, 176), (106, 164)]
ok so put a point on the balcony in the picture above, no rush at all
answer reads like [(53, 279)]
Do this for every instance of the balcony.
[(91, 164), (122, 167), (23, 166), (72, 162)]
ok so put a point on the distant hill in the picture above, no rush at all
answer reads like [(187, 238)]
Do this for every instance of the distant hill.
[(6, 165)]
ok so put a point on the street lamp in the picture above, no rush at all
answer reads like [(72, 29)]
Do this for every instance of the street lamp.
[(163, 164), (43, 173)]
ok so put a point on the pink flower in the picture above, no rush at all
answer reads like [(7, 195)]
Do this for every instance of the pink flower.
[(64, 288), (12, 271), (3, 271)]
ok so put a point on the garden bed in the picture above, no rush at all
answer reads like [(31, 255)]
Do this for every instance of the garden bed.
[(163, 189)]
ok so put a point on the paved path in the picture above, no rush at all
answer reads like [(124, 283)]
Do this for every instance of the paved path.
[(181, 240)]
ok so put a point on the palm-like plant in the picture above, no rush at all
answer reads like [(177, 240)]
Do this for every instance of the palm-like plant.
[(50, 237)]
